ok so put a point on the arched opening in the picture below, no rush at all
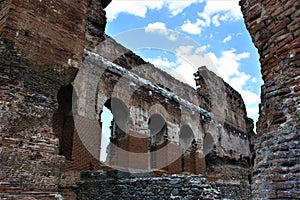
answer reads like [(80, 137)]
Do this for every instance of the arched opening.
[(186, 140), (63, 122), (115, 119), (208, 144), (106, 126), (208, 150), (157, 140)]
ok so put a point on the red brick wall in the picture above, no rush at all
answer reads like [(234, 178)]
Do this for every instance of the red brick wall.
[(275, 31), (54, 31)]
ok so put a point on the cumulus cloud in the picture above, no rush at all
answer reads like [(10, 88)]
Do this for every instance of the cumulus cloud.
[(176, 7), (214, 12), (227, 39), (160, 27), (184, 72), (228, 66), (191, 28), (136, 8), (157, 25), (162, 63), (220, 10), (139, 8)]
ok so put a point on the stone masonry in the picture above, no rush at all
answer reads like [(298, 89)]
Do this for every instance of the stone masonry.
[(59, 69), (275, 30)]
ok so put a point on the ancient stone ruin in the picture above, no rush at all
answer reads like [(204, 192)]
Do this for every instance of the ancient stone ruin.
[(275, 30), (168, 140)]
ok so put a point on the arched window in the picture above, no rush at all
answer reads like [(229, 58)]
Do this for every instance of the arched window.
[(63, 122), (115, 119), (106, 125), (186, 140), (208, 144), (157, 140)]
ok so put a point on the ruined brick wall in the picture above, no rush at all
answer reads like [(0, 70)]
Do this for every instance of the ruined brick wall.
[(122, 186), (53, 31), (275, 31), (227, 144), (35, 123), (41, 45)]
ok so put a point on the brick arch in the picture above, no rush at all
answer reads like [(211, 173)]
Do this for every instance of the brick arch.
[(158, 139), (159, 109), (187, 142), (63, 122), (119, 140)]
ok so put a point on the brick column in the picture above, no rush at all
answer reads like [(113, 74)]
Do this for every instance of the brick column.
[(275, 30)]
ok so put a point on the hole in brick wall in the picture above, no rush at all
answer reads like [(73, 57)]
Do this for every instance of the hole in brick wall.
[(188, 147), (208, 143), (106, 122), (157, 139), (63, 122), (158, 128), (121, 117), (117, 118), (186, 137)]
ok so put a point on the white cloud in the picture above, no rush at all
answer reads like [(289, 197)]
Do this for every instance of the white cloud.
[(221, 10), (191, 28), (139, 8), (227, 39), (214, 12), (156, 25), (176, 7), (228, 67), (184, 72), (228, 64), (254, 80), (189, 59), (160, 27), (215, 20), (162, 63), (136, 8)]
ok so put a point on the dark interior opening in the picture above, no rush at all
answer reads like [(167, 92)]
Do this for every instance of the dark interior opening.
[(63, 121)]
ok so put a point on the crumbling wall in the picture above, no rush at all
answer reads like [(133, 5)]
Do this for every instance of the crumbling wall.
[(226, 143), (42, 53), (274, 28), (166, 187), (41, 45)]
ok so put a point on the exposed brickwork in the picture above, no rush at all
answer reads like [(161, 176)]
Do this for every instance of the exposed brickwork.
[(275, 30), (54, 137), (110, 186), (53, 31)]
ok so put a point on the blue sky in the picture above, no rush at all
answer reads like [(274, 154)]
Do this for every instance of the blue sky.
[(179, 36)]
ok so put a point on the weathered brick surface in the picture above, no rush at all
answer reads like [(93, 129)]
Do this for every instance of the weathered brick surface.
[(53, 31), (44, 139), (274, 27), (104, 186)]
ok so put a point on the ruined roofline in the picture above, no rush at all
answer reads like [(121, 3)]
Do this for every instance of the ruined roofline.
[(227, 85), (202, 68), (120, 52), (142, 81), (141, 60), (180, 88)]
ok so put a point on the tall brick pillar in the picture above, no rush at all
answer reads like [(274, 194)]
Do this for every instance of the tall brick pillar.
[(275, 30)]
